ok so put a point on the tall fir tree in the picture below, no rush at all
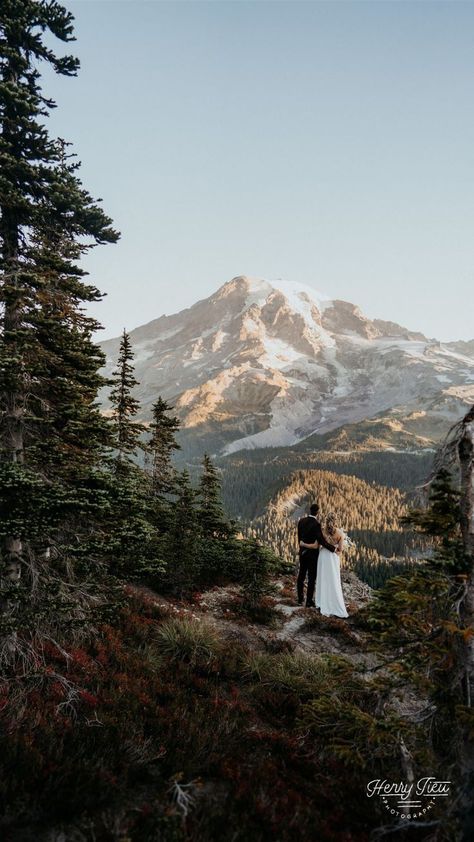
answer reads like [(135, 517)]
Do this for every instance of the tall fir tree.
[(219, 549), (132, 540), (181, 541), (51, 433), (416, 615), (72, 430), (161, 445), (258, 565), (212, 519), (125, 406), (440, 520)]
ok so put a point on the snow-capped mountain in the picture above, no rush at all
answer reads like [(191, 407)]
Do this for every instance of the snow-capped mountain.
[(267, 363)]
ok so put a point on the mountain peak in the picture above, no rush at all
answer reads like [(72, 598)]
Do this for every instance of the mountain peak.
[(267, 362), (258, 290)]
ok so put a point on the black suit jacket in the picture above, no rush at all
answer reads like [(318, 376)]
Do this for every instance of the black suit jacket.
[(309, 531)]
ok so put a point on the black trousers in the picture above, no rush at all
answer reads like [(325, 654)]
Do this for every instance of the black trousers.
[(308, 567)]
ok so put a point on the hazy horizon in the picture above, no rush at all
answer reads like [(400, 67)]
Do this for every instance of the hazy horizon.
[(325, 143)]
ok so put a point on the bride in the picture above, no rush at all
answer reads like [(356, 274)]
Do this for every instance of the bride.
[(329, 596)]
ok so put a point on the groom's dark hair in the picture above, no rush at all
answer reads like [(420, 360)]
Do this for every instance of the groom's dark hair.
[(314, 509)]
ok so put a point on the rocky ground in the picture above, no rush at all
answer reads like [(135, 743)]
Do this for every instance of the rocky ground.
[(293, 628), (290, 626)]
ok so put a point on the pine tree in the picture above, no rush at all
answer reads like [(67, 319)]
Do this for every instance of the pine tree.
[(441, 521), (212, 518), (132, 542), (161, 445), (132, 538), (181, 542), (417, 616), (258, 565), (464, 442), (72, 432), (51, 432), (124, 406), (220, 552)]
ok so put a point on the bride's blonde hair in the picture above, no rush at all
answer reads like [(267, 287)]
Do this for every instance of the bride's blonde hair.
[(331, 523)]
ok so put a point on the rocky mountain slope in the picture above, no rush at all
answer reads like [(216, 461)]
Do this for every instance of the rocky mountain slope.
[(263, 363)]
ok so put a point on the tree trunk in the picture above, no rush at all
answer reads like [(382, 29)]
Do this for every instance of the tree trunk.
[(12, 437), (12, 432), (466, 460)]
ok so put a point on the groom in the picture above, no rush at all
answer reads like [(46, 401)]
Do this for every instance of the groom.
[(309, 531)]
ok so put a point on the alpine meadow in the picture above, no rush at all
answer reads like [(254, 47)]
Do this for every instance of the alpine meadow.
[(161, 677)]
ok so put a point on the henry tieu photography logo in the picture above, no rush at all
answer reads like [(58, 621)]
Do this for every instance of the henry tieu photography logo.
[(409, 800)]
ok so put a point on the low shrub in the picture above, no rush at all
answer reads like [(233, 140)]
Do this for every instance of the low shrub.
[(165, 706), (288, 673), (192, 641)]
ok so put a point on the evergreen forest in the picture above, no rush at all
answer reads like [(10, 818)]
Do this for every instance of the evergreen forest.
[(370, 514)]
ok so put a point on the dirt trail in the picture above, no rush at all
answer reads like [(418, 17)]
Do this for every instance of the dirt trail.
[(298, 628), (295, 629)]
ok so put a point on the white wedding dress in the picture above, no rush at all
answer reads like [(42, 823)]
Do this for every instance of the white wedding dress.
[(329, 596)]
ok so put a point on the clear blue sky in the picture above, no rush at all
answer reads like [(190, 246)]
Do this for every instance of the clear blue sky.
[(327, 143)]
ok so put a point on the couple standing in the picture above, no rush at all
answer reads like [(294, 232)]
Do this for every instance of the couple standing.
[(319, 554)]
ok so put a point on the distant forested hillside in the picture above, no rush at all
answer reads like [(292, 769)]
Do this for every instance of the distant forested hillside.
[(251, 478), (369, 512)]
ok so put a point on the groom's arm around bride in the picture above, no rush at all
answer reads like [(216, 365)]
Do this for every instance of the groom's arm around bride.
[(309, 532)]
